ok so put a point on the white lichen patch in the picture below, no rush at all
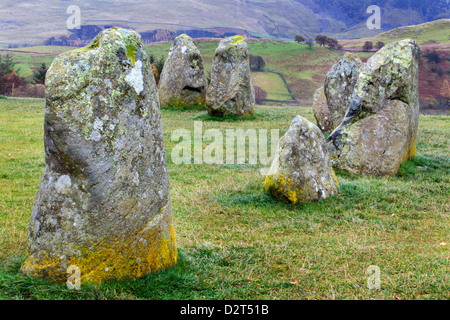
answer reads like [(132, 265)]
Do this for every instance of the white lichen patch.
[(135, 78), (136, 178), (95, 136), (98, 124), (63, 184)]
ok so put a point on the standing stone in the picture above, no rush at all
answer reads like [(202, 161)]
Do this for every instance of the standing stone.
[(379, 130), (230, 91), (321, 110), (339, 84), (103, 203), (183, 80), (301, 171), (378, 143)]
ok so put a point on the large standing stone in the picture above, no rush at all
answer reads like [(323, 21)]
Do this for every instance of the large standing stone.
[(301, 170), (339, 84), (379, 129), (103, 202), (183, 80), (321, 110), (230, 91), (378, 143)]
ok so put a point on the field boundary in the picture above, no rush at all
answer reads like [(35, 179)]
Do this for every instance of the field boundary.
[(293, 98)]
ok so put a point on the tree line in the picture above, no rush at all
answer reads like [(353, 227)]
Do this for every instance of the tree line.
[(12, 84), (321, 40), (332, 43)]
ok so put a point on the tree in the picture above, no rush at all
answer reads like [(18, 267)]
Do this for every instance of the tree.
[(160, 64), (321, 39), (433, 57), (260, 94), (251, 61), (260, 63), (257, 63), (309, 43), (379, 44), (332, 43), (39, 74), (299, 38), (7, 65), (155, 73), (9, 82), (368, 46)]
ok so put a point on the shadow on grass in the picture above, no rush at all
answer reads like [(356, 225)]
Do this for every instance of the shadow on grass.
[(184, 108), (207, 117), (258, 116)]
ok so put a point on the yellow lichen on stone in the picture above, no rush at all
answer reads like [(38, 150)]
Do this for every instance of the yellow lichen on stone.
[(237, 39), (334, 176), (126, 257), (411, 152), (47, 266), (292, 196), (131, 259), (201, 100), (111, 259), (267, 182)]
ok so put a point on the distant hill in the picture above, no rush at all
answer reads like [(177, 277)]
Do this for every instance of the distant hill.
[(436, 31), (32, 22), (303, 68), (430, 35)]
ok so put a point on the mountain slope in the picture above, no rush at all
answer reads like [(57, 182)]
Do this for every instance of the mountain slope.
[(24, 21)]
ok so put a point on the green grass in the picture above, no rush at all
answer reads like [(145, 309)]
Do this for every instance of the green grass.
[(26, 62), (237, 242), (272, 84)]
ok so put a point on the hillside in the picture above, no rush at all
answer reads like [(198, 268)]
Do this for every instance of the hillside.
[(33, 22), (434, 38), (431, 34), (303, 68)]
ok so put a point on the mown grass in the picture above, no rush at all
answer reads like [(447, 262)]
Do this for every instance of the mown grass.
[(237, 242)]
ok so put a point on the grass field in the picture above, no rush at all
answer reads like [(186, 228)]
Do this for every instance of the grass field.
[(237, 242), (272, 84), (303, 68)]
